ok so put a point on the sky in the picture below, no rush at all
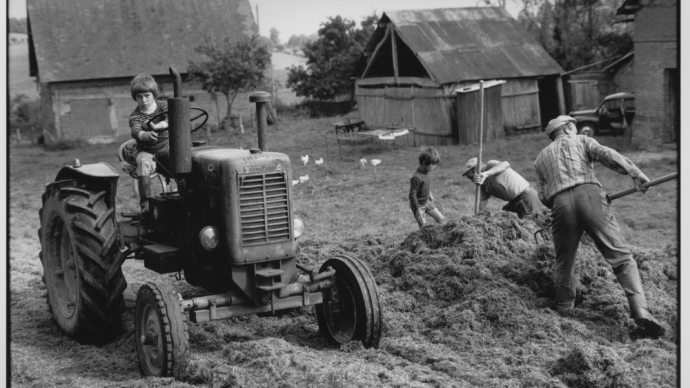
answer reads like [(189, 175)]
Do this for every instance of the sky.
[(304, 17)]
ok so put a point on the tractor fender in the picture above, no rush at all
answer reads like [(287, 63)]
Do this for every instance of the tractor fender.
[(97, 172)]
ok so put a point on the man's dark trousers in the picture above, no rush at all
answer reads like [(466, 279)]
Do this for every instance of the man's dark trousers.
[(585, 208), (524, 204)]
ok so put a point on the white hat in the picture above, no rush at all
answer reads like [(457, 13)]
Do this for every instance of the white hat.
[(557, 122), (472, 163)]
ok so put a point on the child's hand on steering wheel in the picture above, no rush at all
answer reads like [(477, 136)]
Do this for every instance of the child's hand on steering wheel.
[(148, 136), (158, 126)]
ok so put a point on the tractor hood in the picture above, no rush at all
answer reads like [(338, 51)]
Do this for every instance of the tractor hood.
[(208, 162), (255, 190)]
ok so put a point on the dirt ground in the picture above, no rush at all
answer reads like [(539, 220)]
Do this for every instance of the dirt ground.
[(465, 305)]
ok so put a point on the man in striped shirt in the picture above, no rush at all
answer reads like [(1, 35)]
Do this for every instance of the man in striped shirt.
[(568, 187)]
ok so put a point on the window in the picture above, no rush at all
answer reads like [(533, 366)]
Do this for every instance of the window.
[(612, 105)]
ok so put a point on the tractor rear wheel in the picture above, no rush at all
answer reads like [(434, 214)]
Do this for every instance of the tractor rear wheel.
[(351, 311), (161, 332), (82, 265)]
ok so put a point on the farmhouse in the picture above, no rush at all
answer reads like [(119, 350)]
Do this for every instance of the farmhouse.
[(84, 53), (657, 74), (416, 60)]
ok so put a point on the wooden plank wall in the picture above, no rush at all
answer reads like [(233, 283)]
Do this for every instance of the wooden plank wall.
[(468, 108), (427, 110), (584, 94), (521, 105)]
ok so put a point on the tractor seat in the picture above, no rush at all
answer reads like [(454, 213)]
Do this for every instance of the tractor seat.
[(127, 155)]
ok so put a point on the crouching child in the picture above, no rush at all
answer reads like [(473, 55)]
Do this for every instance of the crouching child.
[(421, 198)]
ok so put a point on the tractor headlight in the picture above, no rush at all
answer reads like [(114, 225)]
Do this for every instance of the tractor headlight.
[(209, 238), (298, 227)]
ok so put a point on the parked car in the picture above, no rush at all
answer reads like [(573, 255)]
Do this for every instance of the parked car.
[(613, 116)]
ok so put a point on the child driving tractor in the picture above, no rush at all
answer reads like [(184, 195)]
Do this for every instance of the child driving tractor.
[(145, 92)]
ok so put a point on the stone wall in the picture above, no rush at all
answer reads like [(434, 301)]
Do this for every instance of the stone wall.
[(656, 67)]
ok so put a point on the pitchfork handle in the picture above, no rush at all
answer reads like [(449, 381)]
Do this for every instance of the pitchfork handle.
[(655, 182)]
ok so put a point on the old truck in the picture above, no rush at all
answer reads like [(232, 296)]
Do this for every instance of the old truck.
[(613, 116), (229, 228)]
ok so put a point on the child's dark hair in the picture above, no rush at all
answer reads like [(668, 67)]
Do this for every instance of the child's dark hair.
[(429, 155), (143, 83)]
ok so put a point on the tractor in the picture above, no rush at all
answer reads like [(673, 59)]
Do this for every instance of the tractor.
[(228, 226)]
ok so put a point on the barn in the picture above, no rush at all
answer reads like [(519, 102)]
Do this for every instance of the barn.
[(417, 59), (84, 53)]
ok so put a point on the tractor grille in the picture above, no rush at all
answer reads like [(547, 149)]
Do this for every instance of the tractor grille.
[(264, 213)]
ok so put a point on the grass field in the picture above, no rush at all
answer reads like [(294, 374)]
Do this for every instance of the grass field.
[(493, 330), (18, 54)]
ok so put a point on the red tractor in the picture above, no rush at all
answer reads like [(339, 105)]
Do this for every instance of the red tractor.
[(229, 227)]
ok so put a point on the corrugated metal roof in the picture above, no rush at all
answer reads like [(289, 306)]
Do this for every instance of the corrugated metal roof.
[(460, 44), (95, 39)]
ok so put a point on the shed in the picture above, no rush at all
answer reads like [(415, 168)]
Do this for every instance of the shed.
[(415, 60), (587, 86), (84, 54)]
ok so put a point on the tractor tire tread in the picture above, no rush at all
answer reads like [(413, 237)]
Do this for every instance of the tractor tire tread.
[(86, 213), (174, 328)]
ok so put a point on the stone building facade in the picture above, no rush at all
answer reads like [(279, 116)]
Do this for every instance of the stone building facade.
[(657, 74)]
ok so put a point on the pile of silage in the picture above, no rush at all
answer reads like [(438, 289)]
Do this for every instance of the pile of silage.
[(471, 299)]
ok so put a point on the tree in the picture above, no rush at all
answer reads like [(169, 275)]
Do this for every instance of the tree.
[(331, 58), (275, 36), (17, 25), (297, 42), (577, 32), (232, 67)]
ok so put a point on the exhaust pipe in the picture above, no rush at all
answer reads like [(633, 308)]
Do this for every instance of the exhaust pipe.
[(261, 98), (178, 129)]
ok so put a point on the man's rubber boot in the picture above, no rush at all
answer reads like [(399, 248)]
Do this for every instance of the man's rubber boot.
[(144, 192), (646, 321)]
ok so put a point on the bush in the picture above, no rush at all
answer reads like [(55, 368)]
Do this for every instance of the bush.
[(25, 116)]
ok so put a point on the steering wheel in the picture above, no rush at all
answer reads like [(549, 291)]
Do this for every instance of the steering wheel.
[(203, 113)]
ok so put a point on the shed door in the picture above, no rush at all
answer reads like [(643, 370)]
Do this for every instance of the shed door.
[(520, 102), (585, 94)]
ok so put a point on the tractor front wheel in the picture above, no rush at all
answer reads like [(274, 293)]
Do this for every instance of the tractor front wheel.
[(81, 261), (161, 332), (351, 311)]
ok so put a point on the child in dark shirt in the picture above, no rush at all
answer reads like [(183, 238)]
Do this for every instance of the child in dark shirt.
[(145, 91), (421, 199)]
